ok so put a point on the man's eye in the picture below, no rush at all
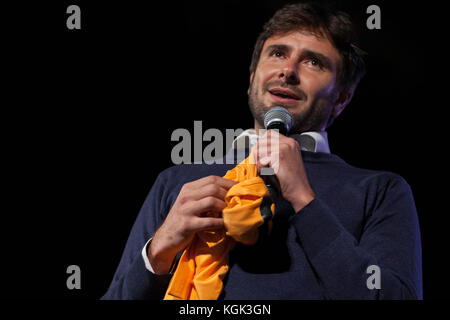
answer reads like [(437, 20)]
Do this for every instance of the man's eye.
[(315, 62), (277, 54)]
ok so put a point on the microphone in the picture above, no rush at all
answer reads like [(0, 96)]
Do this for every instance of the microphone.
[(276, 118)]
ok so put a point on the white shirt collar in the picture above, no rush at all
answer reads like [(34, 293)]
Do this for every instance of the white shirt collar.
[(318, 143)]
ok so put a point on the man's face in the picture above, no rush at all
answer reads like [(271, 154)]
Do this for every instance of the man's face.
[(297, 71)]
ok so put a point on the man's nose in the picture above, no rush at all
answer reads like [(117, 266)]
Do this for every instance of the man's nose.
[(289, 74)]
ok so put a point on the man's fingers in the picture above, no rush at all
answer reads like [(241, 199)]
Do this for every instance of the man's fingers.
[(205, 187), (203, 224), (264, 162), (211, 204), (222, 182), (218, 189), (225, 183), (203, 205), (211, 190)]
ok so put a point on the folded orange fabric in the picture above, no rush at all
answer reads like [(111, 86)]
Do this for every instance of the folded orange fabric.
[(204, 262)]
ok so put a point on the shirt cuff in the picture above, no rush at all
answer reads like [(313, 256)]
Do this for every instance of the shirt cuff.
[(148, 266)]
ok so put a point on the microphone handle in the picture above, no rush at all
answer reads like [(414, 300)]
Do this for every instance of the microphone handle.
[(271, 181), (273, 185)]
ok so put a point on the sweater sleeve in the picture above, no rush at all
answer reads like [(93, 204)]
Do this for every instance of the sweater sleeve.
[(132, 280), (390, 241)]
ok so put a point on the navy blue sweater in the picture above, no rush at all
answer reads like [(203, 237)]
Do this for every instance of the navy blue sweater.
[(359, 218)]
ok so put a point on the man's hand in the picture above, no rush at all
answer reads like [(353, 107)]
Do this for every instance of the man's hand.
[(286, 160), (188, 215)]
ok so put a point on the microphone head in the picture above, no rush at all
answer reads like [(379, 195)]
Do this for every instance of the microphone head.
[(276, 116)]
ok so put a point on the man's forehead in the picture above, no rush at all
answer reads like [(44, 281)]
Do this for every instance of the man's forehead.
[(305, 40)]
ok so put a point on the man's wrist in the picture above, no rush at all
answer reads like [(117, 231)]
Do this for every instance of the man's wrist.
[(302, 200), (162, 262)]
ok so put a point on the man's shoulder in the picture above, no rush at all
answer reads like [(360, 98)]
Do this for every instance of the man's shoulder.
[(332, 165), (382, 181)]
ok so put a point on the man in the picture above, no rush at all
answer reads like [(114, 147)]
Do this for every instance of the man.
[(338, 232)]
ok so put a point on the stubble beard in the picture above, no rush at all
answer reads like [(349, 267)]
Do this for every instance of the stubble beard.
[(309, 118)]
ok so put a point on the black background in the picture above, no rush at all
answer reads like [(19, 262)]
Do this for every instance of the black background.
[(88, 116)]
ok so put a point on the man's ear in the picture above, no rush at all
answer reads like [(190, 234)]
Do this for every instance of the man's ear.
[(343, 99), (251, 80)]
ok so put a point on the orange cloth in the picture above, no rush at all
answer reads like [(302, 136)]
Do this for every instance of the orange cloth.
[(204, 262)]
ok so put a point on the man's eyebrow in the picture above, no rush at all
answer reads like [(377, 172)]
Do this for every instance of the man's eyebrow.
[(281, 47)]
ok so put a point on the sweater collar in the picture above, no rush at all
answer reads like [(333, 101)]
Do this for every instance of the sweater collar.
[(313, 141)]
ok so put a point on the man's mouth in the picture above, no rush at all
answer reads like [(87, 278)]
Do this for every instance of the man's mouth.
[(284, 95)]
